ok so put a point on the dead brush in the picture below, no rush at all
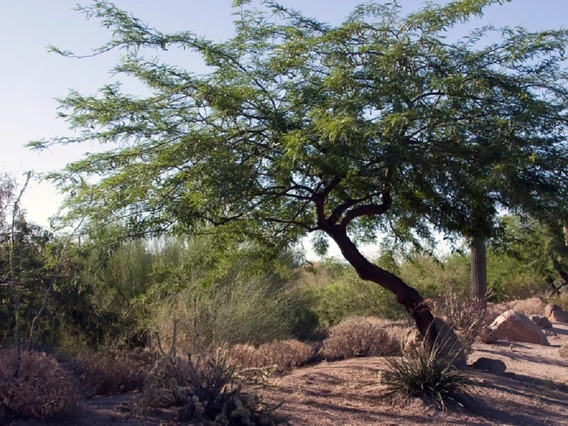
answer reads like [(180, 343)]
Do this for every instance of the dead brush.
[(106, 373), (357, 337), (34, 385), (278, 356), (467, 315), (206, 389)]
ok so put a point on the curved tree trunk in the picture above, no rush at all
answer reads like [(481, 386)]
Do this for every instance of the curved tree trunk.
[(405, 295), (479, 269)]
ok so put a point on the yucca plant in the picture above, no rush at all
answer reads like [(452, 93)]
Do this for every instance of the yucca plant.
[(427, 374)]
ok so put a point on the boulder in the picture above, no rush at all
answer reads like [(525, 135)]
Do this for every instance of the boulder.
[(516, 327), (541, 321), (555, 313), (494, 366)]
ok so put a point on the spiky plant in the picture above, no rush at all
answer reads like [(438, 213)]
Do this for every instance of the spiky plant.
[(429, 375)]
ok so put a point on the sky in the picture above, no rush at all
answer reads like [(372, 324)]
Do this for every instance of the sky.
[(32, 79)]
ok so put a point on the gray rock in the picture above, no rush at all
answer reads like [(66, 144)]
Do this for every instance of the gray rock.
[(541, 321), (494, 366)]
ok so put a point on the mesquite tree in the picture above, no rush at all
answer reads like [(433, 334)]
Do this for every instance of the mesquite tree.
[(377, 126)]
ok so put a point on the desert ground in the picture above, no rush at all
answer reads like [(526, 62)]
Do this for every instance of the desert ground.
[(533, 391)]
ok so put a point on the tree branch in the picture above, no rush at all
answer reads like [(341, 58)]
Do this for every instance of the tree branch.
[(320, 198), (365, 210)]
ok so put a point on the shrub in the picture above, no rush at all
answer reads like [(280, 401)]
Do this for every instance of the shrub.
[(361, 337), (252, 310), (467, 315), (560, 300), (39, 389), (429, 375), (277, 356), (337, 293), (563, 351), (106, 373), (528, 307), (206, 391)]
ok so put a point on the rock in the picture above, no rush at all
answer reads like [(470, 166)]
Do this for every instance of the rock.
[(541, 321), (516, 327), (486, 335), (494, 366), (449, 342), (555, 313)]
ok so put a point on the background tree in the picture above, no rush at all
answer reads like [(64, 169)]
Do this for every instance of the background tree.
[(378, 125), (540, 245), (478, 258)]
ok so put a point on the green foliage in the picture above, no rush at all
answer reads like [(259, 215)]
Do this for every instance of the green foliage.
[(337, 293), (432, 276), (539, 247), (237, 300), (378, 123)]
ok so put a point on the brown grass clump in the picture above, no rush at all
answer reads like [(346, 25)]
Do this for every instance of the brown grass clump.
[(106, 373), (358, 336), (528, 307), (278, 356), (40, 388), (564, 351), (285, 354)]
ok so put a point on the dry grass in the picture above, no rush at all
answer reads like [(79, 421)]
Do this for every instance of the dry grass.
[(106, 373), (466, 315), (356, 337), (563, 351), (560, 300), (278, 355), (528, 307), (39, 389)]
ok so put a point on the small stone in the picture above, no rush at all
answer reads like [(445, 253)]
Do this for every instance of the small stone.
[(541, 321), (494, 366)]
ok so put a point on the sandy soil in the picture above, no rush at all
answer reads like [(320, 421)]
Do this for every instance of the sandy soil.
[(534, 391)]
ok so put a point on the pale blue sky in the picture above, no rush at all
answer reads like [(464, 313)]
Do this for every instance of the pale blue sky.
[(32, 77)]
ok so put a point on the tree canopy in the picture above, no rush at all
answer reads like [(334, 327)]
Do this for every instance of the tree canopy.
[(384, 123)]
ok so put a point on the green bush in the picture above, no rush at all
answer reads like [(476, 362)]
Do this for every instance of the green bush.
[(336, 293), (255, 311), (512, 279)]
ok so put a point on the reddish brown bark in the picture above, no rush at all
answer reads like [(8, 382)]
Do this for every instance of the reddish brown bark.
[(405, 295)]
